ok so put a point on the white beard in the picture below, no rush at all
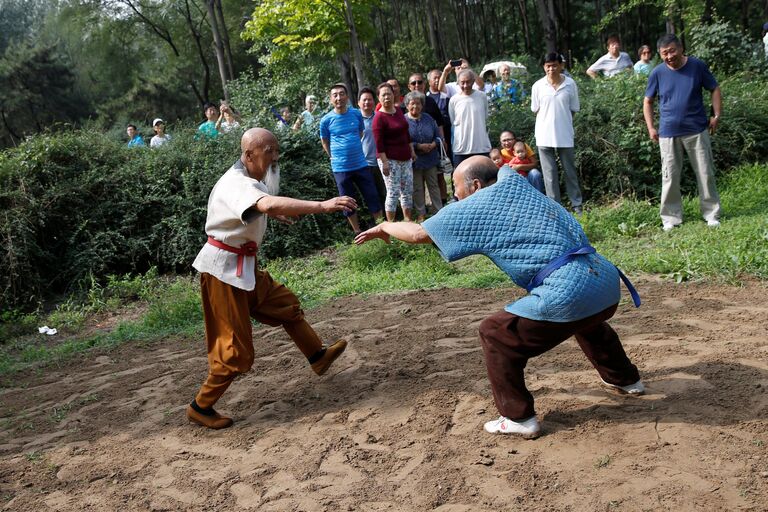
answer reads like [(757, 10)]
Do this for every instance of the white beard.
[(272, 179)]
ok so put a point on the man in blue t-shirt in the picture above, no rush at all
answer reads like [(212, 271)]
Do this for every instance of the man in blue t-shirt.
[(525, 234), (683, 125), (340, 132)]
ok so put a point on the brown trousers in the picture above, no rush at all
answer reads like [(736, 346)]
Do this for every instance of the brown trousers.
[(228, 311), (509, 341)]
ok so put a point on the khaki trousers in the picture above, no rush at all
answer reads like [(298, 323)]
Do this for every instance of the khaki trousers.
[(699, 150), (227, 313)]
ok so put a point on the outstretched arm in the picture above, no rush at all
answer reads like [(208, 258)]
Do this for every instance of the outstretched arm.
[(406, 231), (288, 207)]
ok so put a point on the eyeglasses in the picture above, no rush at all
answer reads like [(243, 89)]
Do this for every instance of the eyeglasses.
[(417, 82)]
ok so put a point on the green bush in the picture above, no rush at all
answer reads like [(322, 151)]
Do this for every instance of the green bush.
[(77, 204)]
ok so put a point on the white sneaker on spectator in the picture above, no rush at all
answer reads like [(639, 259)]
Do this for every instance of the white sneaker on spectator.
[(529, 429), (668, 226), (714, 223), (635, 389)]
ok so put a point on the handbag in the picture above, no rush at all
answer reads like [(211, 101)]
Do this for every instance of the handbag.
[(445, 163)]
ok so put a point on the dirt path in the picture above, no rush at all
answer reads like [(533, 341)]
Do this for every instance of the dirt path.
[(397, 425)]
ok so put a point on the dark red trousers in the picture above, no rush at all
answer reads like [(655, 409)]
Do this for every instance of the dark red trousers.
[(509, 341)]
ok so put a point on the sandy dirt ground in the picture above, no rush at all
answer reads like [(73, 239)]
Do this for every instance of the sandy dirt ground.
[(397, 422)]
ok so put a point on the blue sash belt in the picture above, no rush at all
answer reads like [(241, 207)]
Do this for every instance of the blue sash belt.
[(567, 258)]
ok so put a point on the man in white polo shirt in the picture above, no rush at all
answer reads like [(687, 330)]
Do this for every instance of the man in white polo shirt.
[(554, 100)]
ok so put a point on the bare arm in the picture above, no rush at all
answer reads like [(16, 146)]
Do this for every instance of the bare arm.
[(408, 232), (648, 115), (444, 77), (591, 73), (326, 146), (288, 207), (717, 105)]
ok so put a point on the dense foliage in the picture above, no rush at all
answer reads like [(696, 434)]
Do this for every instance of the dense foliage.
[(80, 205), (77, 205)]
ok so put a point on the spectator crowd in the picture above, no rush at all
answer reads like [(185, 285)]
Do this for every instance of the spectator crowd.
[(398, 148)]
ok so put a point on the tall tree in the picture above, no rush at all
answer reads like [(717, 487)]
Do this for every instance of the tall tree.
[(331, 28)]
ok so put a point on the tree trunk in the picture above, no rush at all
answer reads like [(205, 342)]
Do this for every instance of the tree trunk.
[(203, 95), (354, 42), (526, 29), (218, 47), (548, 23), (225, 39)]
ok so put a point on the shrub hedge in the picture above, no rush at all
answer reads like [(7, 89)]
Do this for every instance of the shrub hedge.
[(79, 205)]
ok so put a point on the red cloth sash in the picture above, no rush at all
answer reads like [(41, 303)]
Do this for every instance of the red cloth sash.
[(247, 249)]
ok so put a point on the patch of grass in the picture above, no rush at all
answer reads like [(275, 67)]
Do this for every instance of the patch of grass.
[(628, 232), (603, 461), (34, 457), (173, 310)]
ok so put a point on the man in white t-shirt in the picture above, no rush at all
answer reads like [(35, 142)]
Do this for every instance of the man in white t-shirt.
[(234, 289), (554, 100), (469, 115), (613, 62)]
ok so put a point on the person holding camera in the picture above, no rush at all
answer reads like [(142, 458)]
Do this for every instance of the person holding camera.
[(227, 119)]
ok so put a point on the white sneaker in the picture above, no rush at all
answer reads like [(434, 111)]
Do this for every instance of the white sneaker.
[(529, 429), (668, 226), (635, 389), (714, 223)]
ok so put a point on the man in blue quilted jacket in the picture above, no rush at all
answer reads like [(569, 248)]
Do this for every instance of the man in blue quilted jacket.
[(541, 247)]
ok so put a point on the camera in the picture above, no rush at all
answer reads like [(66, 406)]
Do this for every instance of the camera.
[(456, 63)]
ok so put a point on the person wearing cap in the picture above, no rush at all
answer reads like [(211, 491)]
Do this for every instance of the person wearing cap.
[(160, 136), (573, 290), (234, 289)]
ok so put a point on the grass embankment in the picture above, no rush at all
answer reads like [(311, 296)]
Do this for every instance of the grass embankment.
[(627, 232)]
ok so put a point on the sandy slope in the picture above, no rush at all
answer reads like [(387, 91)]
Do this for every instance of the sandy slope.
[(397, 424)]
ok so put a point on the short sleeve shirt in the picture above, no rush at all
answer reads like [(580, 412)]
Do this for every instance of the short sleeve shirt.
[(611, 66), (554, 110), (681, 104), (232, 220), (369, 145), (343, 133), (207, 130), (469, 117)]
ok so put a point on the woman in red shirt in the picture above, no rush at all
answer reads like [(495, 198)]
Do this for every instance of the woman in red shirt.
[(394, 153)]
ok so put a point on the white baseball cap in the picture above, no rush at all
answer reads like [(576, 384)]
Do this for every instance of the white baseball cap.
[(158, 120)]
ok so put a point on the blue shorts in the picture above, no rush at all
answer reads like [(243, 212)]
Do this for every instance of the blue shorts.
[(346, 181)]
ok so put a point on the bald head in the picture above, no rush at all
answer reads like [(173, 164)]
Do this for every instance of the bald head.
[(472, 174), (257, 137), (259, 150)]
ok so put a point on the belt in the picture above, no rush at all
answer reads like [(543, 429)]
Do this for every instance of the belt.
[(247, 249), (570, 256)]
